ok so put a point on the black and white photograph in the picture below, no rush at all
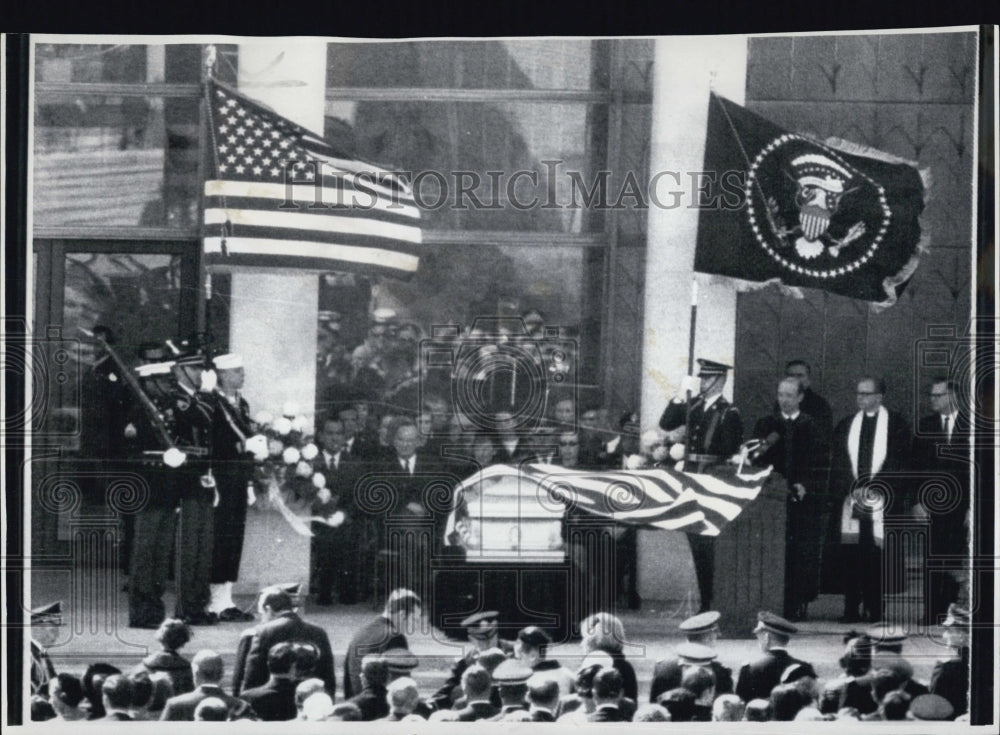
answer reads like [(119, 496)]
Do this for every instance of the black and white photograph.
[(573, 379)]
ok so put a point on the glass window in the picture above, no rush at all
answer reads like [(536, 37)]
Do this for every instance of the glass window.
[(120, 63), (513, 64), (116, 160), (138, 297)]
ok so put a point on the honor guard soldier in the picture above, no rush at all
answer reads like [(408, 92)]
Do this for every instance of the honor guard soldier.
[(512, 678), (701, 630), (193, 413), (758, 678), (400, 663), (233, 470), (45, 622), (483, 631), (950, 679), (711, 431)]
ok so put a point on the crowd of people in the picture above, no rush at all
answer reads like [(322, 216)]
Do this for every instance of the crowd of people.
[(285, 671)]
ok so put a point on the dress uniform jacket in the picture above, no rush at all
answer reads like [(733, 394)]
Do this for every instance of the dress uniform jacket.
[(288, 626), (758, 678), (667, 675), (233, 470), (716, 431), (376, 637)]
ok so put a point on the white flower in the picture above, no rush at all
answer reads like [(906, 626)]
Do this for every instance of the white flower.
[(337, 518), (635, 462), (263, 418), (257, 445), (303, 469), (299, 424), (174, 457), (282, 425), (291, 455), (310, 451), (660, 452), (319, 480), (323, 495), (275, 447), (677, 451), (290, 409)]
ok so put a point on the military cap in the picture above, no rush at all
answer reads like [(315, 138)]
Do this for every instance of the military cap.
[(400, 660), (289, 588), (481, 624), (774, 623), (491, 658), (229, 361), (383, 316), (154, 368), (511, 672), (707, 368), (957, 615), (931, 707), (701, 623), (50, 614), (695, 653), (534, 636), (886, 636)]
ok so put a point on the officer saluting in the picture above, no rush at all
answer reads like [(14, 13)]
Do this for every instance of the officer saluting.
[(710, 429)]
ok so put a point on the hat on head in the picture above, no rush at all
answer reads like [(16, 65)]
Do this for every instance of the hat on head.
[(774, 624), (400, 660), (510, 672), (229, 361), (931, 707), (534, 636), (154, 368), (383, 316), (886, 636), (481, 624), (695, 653), (491, 658), (702, 623), (708, 368), (957, 616), (50, 614)]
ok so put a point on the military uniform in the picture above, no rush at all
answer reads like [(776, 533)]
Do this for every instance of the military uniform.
[(714, 434), (667, 673), (480, 626), (42, 670), (757, 678)]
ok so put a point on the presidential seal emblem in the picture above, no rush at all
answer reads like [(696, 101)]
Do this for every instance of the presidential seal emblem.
[(811, 211)]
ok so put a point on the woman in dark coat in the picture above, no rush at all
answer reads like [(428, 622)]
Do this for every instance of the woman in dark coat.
[(172, 635), (604, 632)]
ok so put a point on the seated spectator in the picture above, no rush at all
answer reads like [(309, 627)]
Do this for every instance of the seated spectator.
[(543, 698), (757, 710), (605, 632), (65, 696), (679, 703), (345, 712), (142, 690), (511, 677), (172, 635), (117, 693), (576, 707), (317, 707), (844, 690), (161, 688), (881, 683), (211, 709), (304, 690), (274, 700), (477, 685), (371, 699), (727, 708), (532, 649), (701, 683), (786, 701), (651, 713), (895, 706), (402, 696), (208, 672), (607, 692), (93, 680)]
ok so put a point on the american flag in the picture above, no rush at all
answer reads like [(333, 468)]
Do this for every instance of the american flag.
[(278, 195), (701, 504)]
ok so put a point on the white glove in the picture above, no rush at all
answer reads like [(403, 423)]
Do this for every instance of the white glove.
[(337, 518), (208, 381), (130, 431), (323, 495), (690, 383)]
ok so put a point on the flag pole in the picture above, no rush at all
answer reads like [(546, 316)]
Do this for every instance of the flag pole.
[(690, 369)]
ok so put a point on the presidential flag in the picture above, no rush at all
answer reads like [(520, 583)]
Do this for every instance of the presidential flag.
[(785, 207), (277, 195), (702, 504)]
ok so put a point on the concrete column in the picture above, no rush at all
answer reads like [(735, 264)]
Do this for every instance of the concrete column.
[(685, 71), (273, 317)]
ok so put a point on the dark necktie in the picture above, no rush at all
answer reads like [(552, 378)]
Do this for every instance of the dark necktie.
[(866, 445)]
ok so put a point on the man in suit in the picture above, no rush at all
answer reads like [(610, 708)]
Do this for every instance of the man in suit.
[(334, 547), (286, 625), (477, 685), (532, 650), (512, 448), (232, 467), (543, 698), (791, 444), (757, 678), (607, 691), (403, 698), (402, 612), (941, 447), (275, 700), (702, 630), (813, 404), (247, 634), (371, 699), (208, 671), (117, 694), (482, 628), (868, 448), (711, 431)]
